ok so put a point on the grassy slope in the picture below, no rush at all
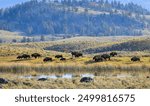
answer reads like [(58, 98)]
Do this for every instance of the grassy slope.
[(101, 44), (9, 36), (85, 44), (128, 46)]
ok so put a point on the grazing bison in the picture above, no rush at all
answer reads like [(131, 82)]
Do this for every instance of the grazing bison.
[(58, 56), (46, 59), (19, 57), (112, 54), (86, 79), (97, 58), (135, 58), (63, 59), (105, 56), (36, 55), (24, 56), (3, 81), (76, 54)]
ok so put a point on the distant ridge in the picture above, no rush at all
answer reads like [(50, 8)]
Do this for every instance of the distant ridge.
[(68, 18)]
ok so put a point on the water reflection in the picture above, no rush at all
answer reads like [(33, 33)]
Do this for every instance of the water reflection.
[(65, 76)]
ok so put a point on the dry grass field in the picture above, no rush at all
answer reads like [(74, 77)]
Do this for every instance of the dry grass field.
[(118, 72)]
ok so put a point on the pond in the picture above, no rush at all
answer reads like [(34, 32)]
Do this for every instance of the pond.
[(53, 76), (70, 76)]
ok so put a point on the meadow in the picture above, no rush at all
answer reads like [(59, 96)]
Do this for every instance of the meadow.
[(118, 72)]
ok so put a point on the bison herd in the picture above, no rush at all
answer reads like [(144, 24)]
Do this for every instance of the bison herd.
[(96, 58), (26, 56), (37, 55), (104, 57)]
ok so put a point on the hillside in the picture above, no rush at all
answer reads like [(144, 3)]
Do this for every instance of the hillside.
[(6, 36), (82, 43), (74, 18), (103, 44), (128, 46), (88, 45)]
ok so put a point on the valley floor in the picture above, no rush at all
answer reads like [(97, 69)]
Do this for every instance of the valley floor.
[(120, 72)]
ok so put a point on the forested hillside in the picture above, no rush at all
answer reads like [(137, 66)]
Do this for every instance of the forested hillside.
[(73, 17)]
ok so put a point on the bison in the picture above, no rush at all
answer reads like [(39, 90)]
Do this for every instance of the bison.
[(19, 57), (76, 54), (47, 59), (63, 59), (135, 59), (86, 79), (58, 56), (98, 58), (105, 56), (24, 56), (112, 54), (36, 55)]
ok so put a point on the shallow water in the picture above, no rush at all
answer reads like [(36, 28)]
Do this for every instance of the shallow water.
[(70, 76), (65, 76)]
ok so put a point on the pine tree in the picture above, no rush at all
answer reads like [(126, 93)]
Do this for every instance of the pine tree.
[(42, 38)]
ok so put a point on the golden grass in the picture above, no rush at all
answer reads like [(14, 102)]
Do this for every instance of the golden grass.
[(105, 73), (100, 82), (85, 64)]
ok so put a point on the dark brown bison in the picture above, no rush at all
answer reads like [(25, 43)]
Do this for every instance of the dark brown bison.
[(36, 55), (76, 54), (63, 59), (135, 58), (24, 56), (112, 54), (47, 59), (58, 56), (86, 79), (98, 58), (19, 57), (105, 56)]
